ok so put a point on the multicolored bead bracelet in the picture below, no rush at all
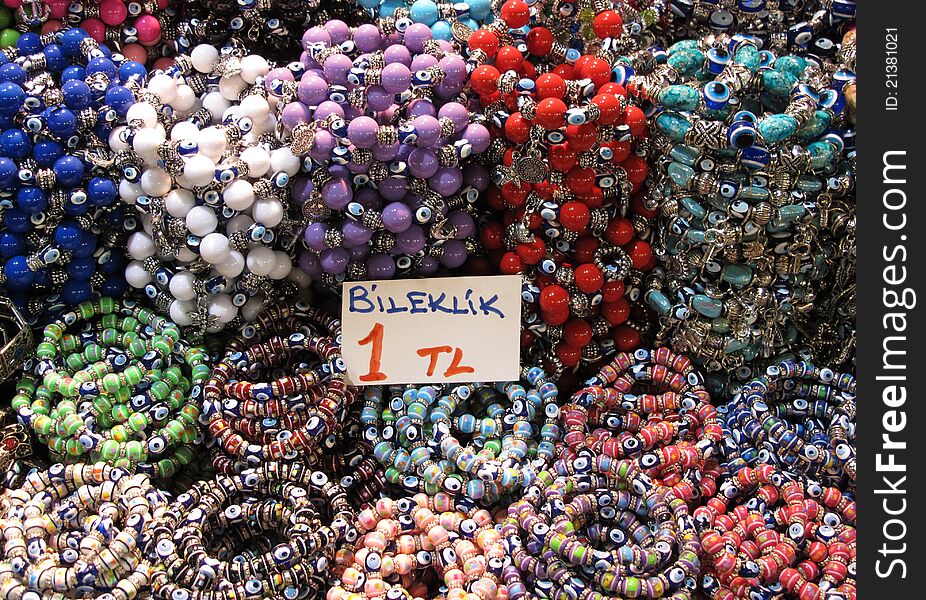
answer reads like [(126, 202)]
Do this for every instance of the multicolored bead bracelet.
[(71, 531), (465, 440), (411, 544), (269, 532), (123, 388), (650, 406), (788, 535), (798, 417), (301, 409), (609, 530)]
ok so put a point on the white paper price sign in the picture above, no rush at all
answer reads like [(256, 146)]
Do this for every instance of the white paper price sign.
[(432, 330)]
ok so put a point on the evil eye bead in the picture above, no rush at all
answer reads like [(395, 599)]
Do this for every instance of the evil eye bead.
[(548, 266), (282, 553), (742, 134), (373, 562), (576, 116), (729, 189), (187, 148), (423, 214), (717, 60), (800, 34), (422, 77), (716, 95)]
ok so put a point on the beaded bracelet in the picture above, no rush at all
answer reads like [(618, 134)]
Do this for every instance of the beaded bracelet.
[(269, 532), (755, 206), (391, 188), (133, 28), (71, 532), (655, 409), (805, 26), (124, 389), (420, 436), (787, 536), (204, 169), (263, 27), (308, 398), (451, 22), (609, 530), (798, 417), (62, 234), (411, 542), (566, 169)]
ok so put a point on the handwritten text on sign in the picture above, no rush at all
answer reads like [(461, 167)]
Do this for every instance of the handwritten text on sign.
[(432, 330)]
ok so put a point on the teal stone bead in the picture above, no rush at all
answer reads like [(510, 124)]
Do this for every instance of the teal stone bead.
[(720, 325), (680, 174), (659, 302), (738, 276), (727, 153), (748, 56), (692, 206), (679, 97), (687, 155), (709, 307), (753, 192), (794, 65), (776, 226), (778, 82), (734, 346), (822, 155), (751, 352), (777, 128), (815, 126), (791, 213), (686, 61), (673, 125), (683, 45), (717, 114), (809, 184), (695, 236)]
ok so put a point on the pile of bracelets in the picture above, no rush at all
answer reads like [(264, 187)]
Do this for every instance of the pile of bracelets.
[(391, 184), (203, 168), (133, 28), (112, 381), (268, 27), (421, 546), (649, 406), (449, 21), (268, 532), (481, 441), (298, 411), (797, 417), (568, 168), (607, 529), (772, 533), (71, 531), (754, 200), (62, 229), (186, 186)]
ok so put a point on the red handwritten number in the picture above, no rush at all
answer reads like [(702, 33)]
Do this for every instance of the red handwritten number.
[(376, 356)]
